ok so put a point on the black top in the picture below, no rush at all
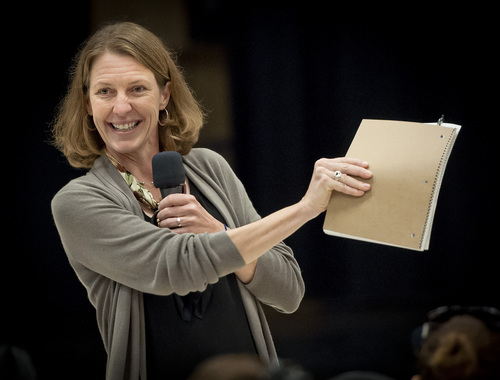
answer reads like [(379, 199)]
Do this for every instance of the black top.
[(183, 331)]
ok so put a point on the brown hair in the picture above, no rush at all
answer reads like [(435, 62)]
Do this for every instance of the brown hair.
[(461, 349), (230, 367), (73, 130)]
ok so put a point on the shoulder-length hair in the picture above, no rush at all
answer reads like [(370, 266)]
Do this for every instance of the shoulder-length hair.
[(73, 130)]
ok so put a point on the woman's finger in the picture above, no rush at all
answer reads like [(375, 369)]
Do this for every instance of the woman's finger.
[(342, 170), (352, 182), (351, 186), (174, 223), (351, 166), (173, 200)]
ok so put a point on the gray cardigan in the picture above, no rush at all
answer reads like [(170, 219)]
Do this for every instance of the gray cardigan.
[(118, 256)]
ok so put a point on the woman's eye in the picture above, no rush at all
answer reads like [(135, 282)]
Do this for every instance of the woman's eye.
[(138, 89), (103, 91)]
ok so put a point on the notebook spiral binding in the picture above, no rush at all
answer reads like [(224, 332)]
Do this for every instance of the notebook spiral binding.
[(437, 181)]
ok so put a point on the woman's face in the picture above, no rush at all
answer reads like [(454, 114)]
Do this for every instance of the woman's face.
[(125, 101)]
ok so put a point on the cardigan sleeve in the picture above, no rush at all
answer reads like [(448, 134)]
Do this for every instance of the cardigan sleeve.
[(102, 229), (100, 233), (278, 280)]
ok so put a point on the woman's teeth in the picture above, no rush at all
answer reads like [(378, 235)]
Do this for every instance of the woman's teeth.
[(125, 127)]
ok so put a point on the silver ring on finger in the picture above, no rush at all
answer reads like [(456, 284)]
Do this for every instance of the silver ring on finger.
[(337, 175), (179, 225)]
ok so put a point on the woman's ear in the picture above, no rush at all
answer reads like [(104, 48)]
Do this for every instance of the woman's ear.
[(89, 107), (165, 96)]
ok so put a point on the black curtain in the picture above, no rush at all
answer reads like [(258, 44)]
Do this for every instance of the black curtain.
[(304, 76)]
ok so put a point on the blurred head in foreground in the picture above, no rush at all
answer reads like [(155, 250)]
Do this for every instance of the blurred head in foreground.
[(461, 344)]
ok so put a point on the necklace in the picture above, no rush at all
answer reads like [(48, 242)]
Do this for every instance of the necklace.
[(141, 193)]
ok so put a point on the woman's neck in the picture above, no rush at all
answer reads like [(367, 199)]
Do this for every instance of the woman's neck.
[(137, 163)]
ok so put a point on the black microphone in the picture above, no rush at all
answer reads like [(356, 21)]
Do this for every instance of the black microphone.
[(168, 173)]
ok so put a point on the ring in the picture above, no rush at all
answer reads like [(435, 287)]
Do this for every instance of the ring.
[(179, 222), (337, 175)]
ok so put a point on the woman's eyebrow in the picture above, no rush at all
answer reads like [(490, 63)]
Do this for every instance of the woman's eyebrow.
[(100, 82)]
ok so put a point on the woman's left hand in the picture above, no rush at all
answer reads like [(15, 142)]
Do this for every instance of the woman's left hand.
[(182, 213), (324, 181)]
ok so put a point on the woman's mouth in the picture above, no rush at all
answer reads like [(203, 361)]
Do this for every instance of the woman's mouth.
[(124, 127)]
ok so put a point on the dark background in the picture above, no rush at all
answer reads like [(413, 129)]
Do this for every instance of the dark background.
[(303, 76)]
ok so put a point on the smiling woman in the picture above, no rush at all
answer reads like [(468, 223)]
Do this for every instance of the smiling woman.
[(125, 102), (74, 129), (173, 289)]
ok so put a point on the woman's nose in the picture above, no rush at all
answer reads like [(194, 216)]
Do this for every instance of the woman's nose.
[(122, 105)]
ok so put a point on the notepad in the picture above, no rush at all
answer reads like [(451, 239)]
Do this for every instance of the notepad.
[(408, 161)]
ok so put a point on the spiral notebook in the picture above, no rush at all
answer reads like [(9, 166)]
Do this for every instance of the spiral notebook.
[(408, 161)]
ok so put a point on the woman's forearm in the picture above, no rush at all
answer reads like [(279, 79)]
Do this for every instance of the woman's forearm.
[(254, 239)]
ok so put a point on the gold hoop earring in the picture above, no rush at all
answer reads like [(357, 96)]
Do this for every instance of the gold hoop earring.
[(166, 118)]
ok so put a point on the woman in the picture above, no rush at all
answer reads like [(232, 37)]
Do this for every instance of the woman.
[(169, 295)]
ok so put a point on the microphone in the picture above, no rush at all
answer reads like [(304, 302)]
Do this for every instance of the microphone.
[(168, 173)]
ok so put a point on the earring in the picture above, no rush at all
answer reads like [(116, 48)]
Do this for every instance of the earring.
[(166, 118)]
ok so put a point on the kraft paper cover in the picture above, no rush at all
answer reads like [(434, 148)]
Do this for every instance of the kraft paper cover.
[(407, 161)]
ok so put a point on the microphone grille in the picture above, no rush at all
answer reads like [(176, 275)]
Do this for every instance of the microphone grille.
[(168, 170)]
